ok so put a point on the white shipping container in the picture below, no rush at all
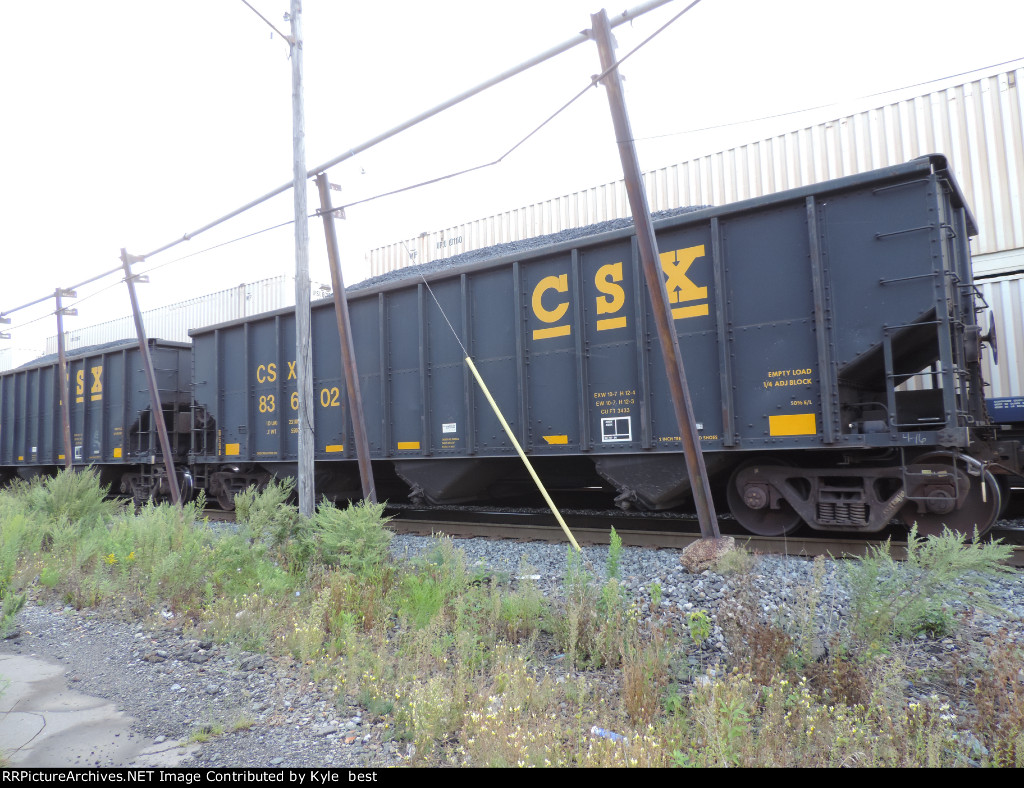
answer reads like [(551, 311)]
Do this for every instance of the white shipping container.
[(1005, 297)]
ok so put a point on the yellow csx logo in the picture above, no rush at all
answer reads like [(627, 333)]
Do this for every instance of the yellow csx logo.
[(96, 387), (267, 373), (681, 290)]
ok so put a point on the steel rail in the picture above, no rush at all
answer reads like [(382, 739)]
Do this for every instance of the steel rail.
[(650, 537)]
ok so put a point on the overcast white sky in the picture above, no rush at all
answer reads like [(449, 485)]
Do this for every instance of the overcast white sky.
[(132, 122)]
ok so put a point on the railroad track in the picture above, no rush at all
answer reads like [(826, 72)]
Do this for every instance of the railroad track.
[(659, 532), (639, 531)]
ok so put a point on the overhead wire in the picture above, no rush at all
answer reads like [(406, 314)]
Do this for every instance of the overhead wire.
[(593, 83), (223, 244), (577, 39), (46, 316), (269, 23)]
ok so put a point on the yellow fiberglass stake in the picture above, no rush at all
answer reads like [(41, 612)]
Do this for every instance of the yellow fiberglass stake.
[(522, 454)]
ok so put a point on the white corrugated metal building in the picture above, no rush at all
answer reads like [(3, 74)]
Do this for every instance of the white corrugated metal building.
[(977, 124)]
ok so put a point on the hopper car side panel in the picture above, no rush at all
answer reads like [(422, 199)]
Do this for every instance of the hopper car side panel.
[(329, 393), (568, 339), (449, 392), (495, 316), (373, 375)]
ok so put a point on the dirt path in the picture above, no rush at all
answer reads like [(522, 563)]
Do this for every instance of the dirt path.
[(91, 690)]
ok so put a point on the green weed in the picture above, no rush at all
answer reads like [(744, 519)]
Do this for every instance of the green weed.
[(72, 497), (575, 626), (735, 561), (353, 538), (891, 600), (614, 555), (522, 613), (266, 515)]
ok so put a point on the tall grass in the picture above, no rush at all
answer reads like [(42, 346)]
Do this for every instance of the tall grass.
[(89, 549)]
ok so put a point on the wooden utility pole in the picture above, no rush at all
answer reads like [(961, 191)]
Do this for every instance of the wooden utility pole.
[(62, 362), (655, 284), (348, 351), (156, 407), (303, 331)]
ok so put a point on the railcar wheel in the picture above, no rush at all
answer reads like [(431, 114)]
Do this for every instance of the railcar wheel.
[(1006, 491), (225, 499), (752, 506), (186, 486), (978, 512)]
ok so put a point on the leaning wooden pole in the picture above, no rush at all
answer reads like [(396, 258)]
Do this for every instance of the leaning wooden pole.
[(156, 407), (650, 262), (348, 352)]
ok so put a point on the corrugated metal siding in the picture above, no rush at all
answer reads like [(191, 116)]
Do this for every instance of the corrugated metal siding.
[(977, 125), (174, 321), (1005, 296)]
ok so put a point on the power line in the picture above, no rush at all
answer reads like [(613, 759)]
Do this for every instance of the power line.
[(225, 243), (269, 23), (594, 81), (579, 38), (111, 286)]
